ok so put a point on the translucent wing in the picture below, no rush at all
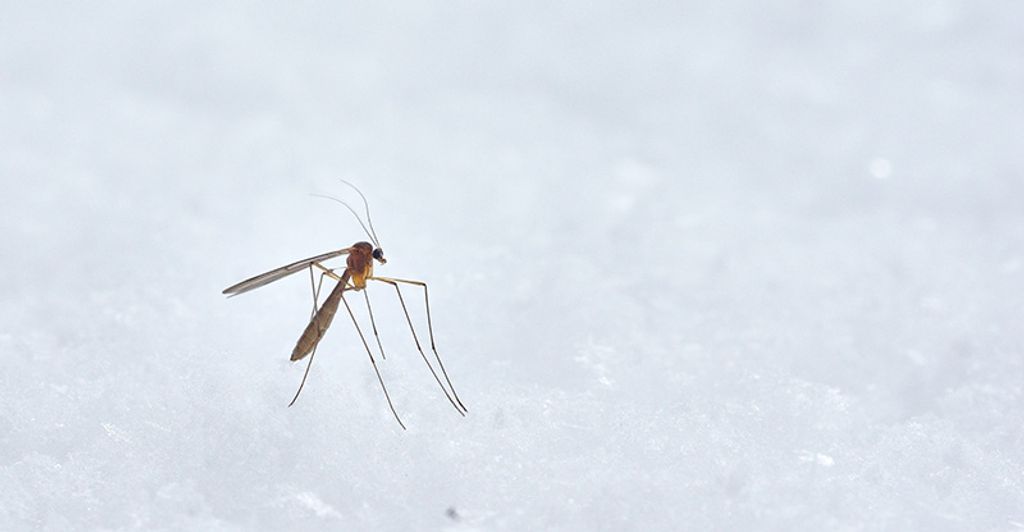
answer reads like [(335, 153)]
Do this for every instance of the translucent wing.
[(280, 273)]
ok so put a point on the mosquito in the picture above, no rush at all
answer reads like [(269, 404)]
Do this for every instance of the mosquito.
[(358, 270)]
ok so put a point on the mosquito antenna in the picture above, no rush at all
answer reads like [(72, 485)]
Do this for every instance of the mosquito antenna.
[(354, 213), (366, 205)]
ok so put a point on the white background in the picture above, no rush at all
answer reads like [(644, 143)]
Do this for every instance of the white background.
[(719, 266)]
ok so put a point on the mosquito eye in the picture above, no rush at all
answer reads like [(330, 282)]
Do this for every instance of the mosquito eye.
[(378, 253)]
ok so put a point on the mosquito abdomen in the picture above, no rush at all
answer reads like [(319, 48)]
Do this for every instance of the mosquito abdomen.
[(320, 322)]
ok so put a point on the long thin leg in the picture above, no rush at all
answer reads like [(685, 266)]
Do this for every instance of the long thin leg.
[(369, 309), (372, 361), (328, 271), (373, 324), (316, 290), (416, 339), (430, 329), (304, 375), (316, 299)]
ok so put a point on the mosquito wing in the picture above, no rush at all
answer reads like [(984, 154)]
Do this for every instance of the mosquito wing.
[(280, 273)]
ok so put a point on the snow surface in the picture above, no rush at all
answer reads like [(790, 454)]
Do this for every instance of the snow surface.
[(706, 266)]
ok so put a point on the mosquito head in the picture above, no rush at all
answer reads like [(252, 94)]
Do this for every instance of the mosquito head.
[(379, 255)]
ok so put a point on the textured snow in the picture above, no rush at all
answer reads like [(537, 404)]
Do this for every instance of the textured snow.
[(720, 266)]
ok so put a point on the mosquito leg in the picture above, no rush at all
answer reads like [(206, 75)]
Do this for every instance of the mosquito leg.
[(373, 324), (304, 375), (316, 289), (316, 298), (416, 339), (372, 361), (328, 271), (430, 330)]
